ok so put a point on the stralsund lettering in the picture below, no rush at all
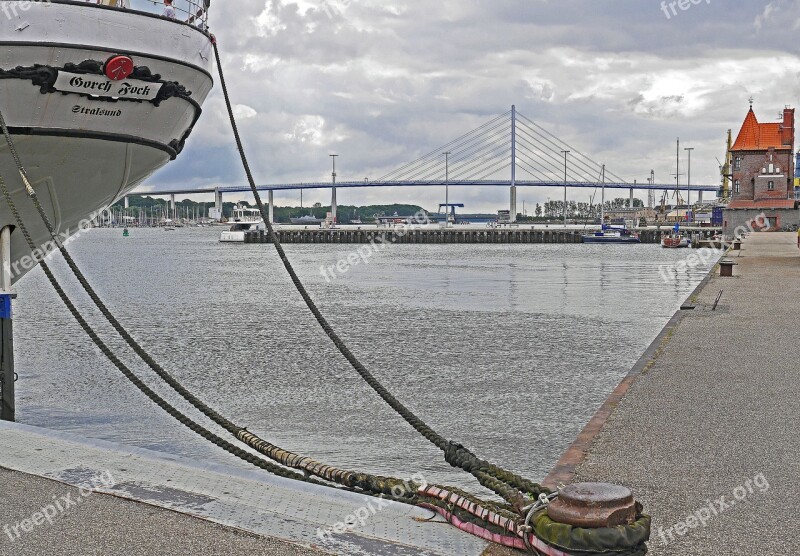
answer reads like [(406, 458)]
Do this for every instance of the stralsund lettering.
[(78, 109)]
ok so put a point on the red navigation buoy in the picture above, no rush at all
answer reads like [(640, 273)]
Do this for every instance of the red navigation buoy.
[(118, 67)]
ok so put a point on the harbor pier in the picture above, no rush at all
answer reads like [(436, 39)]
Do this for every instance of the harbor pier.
[(458, 235), (704, 428)]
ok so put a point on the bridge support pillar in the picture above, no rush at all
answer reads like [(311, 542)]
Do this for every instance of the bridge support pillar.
[(7, 375), (271, 201), (216, 214), (127, 202), (333, 204), (631, 197), (700, 196), (513, 207)]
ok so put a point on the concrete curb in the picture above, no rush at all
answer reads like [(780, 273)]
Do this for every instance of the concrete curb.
[(564, 471)]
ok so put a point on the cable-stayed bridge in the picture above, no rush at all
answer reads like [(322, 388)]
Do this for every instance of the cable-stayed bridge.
[(511, 150)]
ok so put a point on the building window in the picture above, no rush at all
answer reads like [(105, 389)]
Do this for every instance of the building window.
[(737, 163), (771, 186), (737, 185)]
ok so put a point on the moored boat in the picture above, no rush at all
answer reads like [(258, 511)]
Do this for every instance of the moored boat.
[(96, 99), (307, 220), (243, 220), (610, 234), (675, 241)]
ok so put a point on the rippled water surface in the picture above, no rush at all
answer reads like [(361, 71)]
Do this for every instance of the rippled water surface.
[(509, 349)]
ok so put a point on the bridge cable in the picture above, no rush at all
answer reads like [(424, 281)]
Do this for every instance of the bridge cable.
[(490, 141), (549, 146), (436, 165), (505, 483), (435, 156), (571, 148), (437, 152), (497, 153), (555, 160)]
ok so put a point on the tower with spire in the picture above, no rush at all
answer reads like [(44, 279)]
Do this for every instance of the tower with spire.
[(763, 163)]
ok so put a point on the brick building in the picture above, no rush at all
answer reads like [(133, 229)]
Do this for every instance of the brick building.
[(763, 173)]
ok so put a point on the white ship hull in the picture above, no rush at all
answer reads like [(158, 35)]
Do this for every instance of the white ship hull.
[(231, 237), (83, 150)]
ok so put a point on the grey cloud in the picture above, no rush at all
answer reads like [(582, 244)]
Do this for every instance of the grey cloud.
[(381, 83)]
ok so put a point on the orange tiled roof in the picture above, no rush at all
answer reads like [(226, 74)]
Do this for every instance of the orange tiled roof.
[(756, 137)]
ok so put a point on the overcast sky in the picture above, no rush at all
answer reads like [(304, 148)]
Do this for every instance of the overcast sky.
[(381, 82)]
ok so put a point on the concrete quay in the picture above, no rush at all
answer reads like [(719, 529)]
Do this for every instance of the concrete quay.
[(704, 430), (457, 234), (66, 495)]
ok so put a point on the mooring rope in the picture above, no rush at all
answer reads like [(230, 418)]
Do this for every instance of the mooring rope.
[(505, 483), (158, 400), (397, 489), (500, 481), (369, 483)]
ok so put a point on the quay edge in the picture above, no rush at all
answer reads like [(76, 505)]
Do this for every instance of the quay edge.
[(442, 236)]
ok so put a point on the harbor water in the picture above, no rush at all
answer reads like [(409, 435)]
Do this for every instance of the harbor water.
[(508, 349)]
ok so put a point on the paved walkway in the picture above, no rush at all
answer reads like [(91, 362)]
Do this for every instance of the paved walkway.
[(708, 437), (241, 511)]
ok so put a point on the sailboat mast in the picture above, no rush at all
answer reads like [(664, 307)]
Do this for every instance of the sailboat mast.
[(603, 199), (678, 173)]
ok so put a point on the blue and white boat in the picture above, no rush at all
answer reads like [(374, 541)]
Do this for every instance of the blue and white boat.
[(611, 234)]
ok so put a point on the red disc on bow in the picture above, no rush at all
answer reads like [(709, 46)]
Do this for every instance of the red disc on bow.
[(118, 67)]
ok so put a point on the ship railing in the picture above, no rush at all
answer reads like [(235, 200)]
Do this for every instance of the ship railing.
[(194, 12)]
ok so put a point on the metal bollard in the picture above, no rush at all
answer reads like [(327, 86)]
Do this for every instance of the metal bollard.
[(593, 505), (726, 268)]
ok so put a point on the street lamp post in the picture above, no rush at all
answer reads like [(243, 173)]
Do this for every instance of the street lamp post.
[(333, 189), (688, 182), (565, 187)]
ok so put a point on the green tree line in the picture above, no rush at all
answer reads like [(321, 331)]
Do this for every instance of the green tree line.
[(282, 214)]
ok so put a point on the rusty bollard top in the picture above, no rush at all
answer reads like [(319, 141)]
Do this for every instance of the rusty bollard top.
[(593, 505)]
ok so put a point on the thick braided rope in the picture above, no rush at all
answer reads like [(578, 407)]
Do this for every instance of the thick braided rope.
[(513, 483), (366, 482), (158, 400)]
